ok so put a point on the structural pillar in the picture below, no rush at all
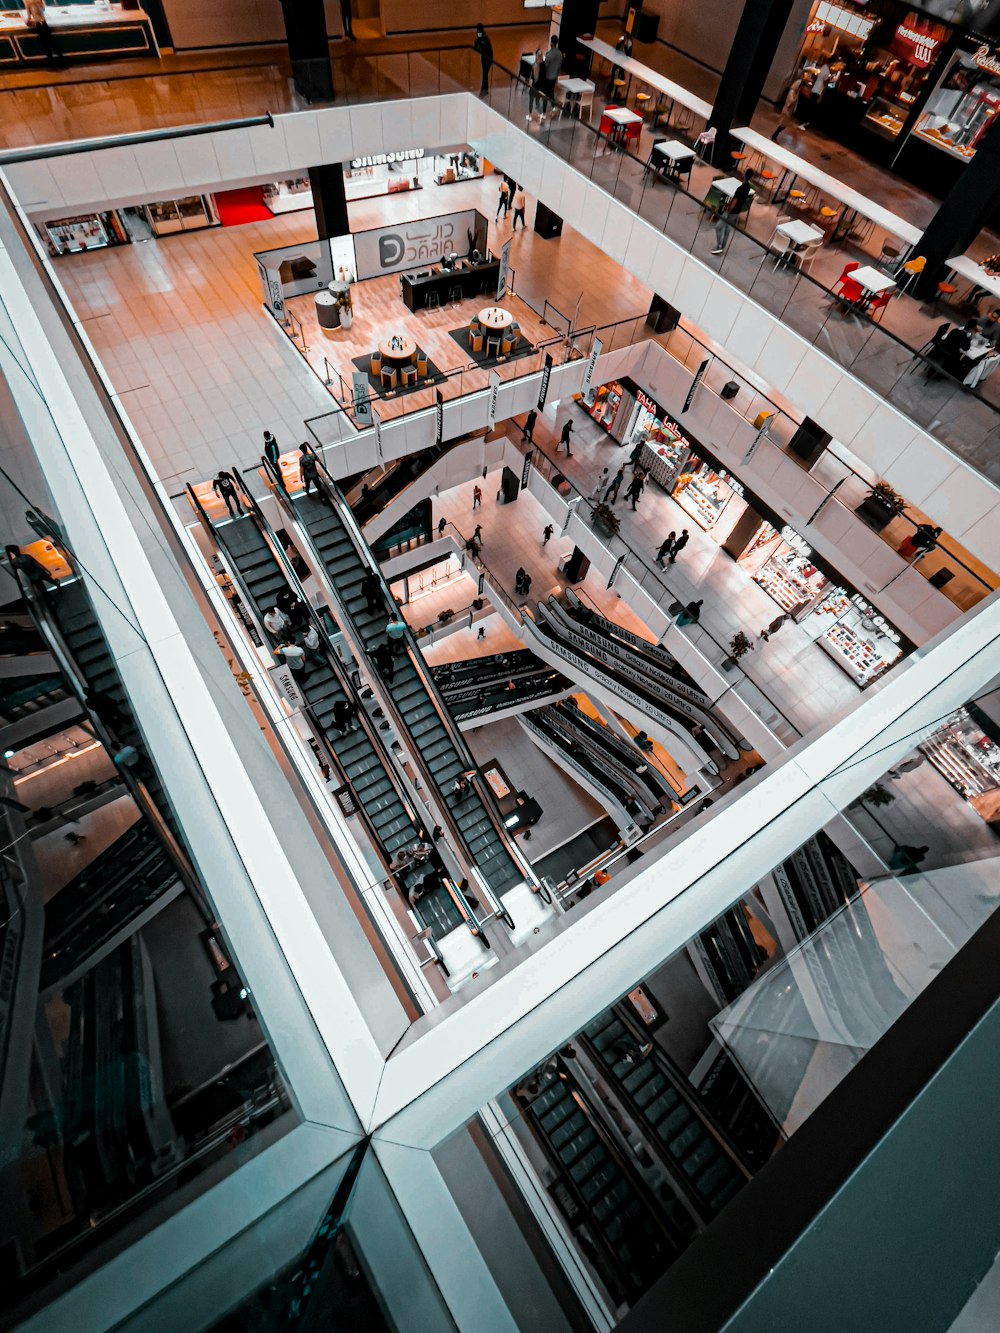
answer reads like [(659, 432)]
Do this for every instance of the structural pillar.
[(579, 19), (966, 209), (757, 36), (308, 49), (329, 200)]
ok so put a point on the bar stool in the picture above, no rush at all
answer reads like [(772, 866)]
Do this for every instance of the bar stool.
[(455, 293), (388, 377), (476, 339), (493, 345), (889, 254), (433, 300), (421, 363), (642, 101), (409, 375), (946, 290), (913, 269), (737, 157), (375, 365), (797, 198)]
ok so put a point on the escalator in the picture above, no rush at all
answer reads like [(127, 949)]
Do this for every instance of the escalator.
[(628, 1236), (651, 787), (381, 486), (252, 560), (706, 1171), (437, 742), (731, 1101), (484, 685), (615, 785), (729, 953)]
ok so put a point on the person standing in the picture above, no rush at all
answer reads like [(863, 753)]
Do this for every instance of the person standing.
[(384, 662), (36, 21), (551, 67), (395, 632), (225, 487), (788, 107), (635, 490), (730, 211), (276, 622), (528, 431), (567, 431), (503, 201), (599, 485), (679, 545), (547, 532), (691, 613), (485, 48), (477, 536), (442, 523), (343, 712), (348, 19), (519, 203), (611, 494), (310, 640), (309, 468), (294, 656), (665, 547), (271, 452), (371, 590), (477, 496), (534, 89)]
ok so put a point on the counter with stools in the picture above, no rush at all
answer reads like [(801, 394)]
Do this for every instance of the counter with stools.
[(435, 287)]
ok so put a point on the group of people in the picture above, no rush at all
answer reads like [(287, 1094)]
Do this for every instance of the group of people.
[(671, 546), (288, 621), (511, 195), (545, 70), (951, 347)]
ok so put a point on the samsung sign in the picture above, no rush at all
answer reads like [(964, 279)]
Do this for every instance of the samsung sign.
[(386, 159)]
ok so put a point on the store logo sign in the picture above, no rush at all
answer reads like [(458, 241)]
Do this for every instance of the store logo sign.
[(878, 621), (386, 159), (986, 58), (647, 402), (923, 46), (791, 538), (391, 249)]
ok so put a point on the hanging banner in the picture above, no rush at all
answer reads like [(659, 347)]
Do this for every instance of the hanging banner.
[(285, 684), (755, 442), (274, 291), (378, 437), (618, 564), (491, 410), (694, 384), (362, 398), (525, 470), (544, 387), (438, 416), (596, 348), (571, 509), (504, 268)]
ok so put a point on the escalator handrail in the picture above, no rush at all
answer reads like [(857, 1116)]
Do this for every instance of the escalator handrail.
[(605, 782), (284, 500), (565, 726), (426, 678)]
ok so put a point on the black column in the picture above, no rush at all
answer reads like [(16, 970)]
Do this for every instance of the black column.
[(967, 208), (579, 19), (750, 56), (308, 49), (329, 200)]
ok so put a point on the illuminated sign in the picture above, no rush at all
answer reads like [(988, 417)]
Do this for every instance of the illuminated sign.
[(878, 621), (986, 58), (919, 47), (791, 538), (386, 159)]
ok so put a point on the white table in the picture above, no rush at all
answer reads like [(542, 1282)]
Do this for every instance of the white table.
[(799, 232), (496, 318), (978, 349), (635, 69), (674, 149), (871, 279), (966, 267), (586, 89), (726, 185), (622, 116), (853, 200)]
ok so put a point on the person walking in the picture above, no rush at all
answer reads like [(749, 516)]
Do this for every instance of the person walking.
[(371, 590), (309, 467), (534, 90), (551, 69), (484, 46), (343, 715), (442, 522), (528, 430), (477, 536), (666, 546), (310, 640), (477, 496), (788, 108), (635, 488), (679, 545), (729, 212), (691, 613), (225, 487), (567, 431), (599, 485), (276, 622), (395, 632), (294, 656), (526, 584), (519, 203), (611, 494), (503, 201), (347, 18), (547, 532), (384, 662), (271, 452)]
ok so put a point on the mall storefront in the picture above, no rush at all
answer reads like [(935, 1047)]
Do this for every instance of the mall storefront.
[(775, 556)]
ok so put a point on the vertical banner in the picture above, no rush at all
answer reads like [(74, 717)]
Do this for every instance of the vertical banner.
[(274, 290), (378, 437), (491, 410), (543, 390), (596, 348), (571, 509), (362, 398), (614, 573), (525, 470), (694, 384), (286, 684), (504, 268), (438, 416), (755, 442)]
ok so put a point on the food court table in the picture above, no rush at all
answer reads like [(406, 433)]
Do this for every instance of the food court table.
[(674, 92), (397, 347), (873, 280), (799, 232), (620, 124), (966, 267), (854, 202), (496, 318), (584, 87)]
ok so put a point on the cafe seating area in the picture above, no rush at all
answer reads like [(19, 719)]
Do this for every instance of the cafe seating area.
[(492, 335), (397, 365)]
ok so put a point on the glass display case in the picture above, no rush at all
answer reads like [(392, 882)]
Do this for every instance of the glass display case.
[(188, 214), (964, 753), (791, 578), (704, 494), (289, 196), (961, 108), (861, 641), (606, 405)]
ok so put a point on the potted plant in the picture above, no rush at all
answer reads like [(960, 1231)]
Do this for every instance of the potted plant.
[(342, 295), (739, 646), (605, 519), (880, 506), (446, 615)]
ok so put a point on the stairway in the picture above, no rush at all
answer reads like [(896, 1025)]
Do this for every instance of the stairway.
[(699, 1163), (262, 577), (422, 711)]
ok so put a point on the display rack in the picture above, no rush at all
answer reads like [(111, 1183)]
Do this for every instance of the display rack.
[(704, 506), (961, 753), (783, 578)]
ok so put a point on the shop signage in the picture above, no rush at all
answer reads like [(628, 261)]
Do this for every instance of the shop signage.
[(362, 398), (345, 799), (618, 564), (755, 442), (791, 538), (525, 470), (986, 58), (274, 291), (438, 416), (384, 159), (869, 612), (543, 390), (596, 348), (503, 269), (378, 436), (919, 48), (647, 402), (410, 244), (491, 410), (482, 586), (571, 509), (285, 684), (694, 384)]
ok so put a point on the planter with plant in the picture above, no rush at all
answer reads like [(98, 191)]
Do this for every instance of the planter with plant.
[(739, 646), (342, 295), (446, 615), (881, 505), (605, 519)]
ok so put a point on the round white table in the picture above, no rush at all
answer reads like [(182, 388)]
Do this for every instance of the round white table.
[(397, 347), (496, 318)]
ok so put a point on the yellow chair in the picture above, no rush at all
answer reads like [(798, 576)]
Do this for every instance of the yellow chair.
[(827, 212), (476, 339), (388, 378), (913, 269), (421, 364)]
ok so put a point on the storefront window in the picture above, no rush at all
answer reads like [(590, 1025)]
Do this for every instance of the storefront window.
[(966, 752), (788, 572), (856, 636), (706, 495), (962, 107), (605, 407)]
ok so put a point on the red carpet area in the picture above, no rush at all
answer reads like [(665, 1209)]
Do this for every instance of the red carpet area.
[(238, 206)]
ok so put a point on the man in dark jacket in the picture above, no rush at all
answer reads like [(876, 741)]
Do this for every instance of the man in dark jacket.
[(485, 48)]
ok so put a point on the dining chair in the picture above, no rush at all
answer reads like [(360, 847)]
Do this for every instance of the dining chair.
[(376, 364), (421, 363)]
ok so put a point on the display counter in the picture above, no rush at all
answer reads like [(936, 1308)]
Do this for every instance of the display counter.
[(862, 642), (79, 32), (970, 760), (471, 278)]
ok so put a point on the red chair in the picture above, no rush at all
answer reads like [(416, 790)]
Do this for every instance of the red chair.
[(879, 304), (607, 124), (849, 289)]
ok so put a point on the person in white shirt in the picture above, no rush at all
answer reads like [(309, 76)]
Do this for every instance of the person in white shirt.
[(310, 639), (519, 202), (275, 621), (293, 655)]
